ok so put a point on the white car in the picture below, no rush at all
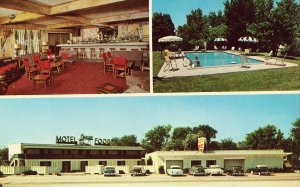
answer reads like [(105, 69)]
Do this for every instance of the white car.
[(214, 170), (174, 171)]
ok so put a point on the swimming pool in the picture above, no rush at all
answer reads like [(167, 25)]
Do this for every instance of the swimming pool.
[(208, 59)]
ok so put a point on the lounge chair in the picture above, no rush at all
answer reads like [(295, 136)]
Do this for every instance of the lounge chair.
[(196, 48), (169, 64), (244, 62), (232, 48), (215, 47), (276, 62)]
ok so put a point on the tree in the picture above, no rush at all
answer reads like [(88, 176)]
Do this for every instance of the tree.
[(178, 136), (191, 140), (3, 155), (295, 136), (227, 144), (238, 14), (156, 138), (127, 140), (162, 25), (267, 137), (208, 132)]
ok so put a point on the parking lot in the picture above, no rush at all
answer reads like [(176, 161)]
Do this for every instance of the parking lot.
[(68, 180)]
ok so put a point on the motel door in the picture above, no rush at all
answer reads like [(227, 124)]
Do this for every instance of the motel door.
[(83, 164), (66, 166)]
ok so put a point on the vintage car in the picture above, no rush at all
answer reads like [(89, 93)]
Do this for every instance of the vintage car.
[(214, 170), (138, 171), (109, 171), (175, 171), (261, 170), (197, 170), (236, 171)]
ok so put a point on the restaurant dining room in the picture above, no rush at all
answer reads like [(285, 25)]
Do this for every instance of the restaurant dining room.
[(74, 47)]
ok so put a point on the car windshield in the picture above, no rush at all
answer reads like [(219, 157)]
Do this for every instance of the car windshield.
[(175, 167), (109, 168)]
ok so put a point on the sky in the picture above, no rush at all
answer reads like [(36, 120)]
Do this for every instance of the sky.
[(40, 120), (178, 9)]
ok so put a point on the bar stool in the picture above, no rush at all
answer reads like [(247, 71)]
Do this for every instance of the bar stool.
[(82, 53), (101, 51), (145, 62), (134, 49), (123, 49), (112, 49), (93, 54), (76, 51)]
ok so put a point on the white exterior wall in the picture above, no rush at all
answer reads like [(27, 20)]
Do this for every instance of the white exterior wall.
[(14, 149), (271, 158), (75, 164)]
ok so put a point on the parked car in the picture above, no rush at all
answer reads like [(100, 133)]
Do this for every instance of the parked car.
[(261, 170), (174, 171), (109, 171), (214, 170), (197, 170), (236, 171), (138, 171)]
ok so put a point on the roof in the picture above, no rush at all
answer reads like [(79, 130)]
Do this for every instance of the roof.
[(82, 147), (224, 152)]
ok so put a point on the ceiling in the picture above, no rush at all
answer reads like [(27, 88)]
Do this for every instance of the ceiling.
[(69, 14)]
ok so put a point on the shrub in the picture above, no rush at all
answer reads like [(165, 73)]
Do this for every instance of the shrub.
[(148, 171), (186, 170), (161, 170), (30, 172), (121, 172)]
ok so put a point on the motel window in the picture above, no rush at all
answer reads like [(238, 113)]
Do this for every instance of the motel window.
[(195, 162), (132, 153), (104, 163), (121, 163), (45, 151), (66, 152), (113, 152), (33, 151), (94, 152), (45, 163), (74, 152), (57, 151), (210, 162)]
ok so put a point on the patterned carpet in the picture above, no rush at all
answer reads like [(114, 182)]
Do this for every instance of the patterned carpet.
[(79, 78)]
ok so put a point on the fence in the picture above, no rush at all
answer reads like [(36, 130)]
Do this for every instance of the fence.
[(97, 169), (11, 170)]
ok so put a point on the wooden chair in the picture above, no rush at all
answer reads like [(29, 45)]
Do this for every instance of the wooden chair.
[(44, 67), (29, 69), (108, 64), (36, 58), (120, 66)]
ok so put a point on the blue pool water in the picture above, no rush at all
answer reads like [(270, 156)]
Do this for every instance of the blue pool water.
[(217, 59)]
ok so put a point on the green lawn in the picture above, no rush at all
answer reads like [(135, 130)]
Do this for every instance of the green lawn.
[(260, 80)]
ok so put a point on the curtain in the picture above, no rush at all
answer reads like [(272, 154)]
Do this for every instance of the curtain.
[(30, 40)]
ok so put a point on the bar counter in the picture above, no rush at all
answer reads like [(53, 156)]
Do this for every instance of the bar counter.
[(107, 46)]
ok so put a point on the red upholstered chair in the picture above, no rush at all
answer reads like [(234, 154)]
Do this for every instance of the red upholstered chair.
[(108, 63), (36, 58), (65, 57), (51, 57), (44, 67), (120, 67), (29, 69)]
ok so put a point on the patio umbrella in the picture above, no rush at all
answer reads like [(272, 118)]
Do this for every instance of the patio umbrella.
[(248, 39), (220, 40), (168, 39)]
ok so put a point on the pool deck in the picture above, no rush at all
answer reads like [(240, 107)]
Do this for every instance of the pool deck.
[(181, 68)]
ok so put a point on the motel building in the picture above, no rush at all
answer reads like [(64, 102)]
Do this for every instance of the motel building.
[(224, 158)]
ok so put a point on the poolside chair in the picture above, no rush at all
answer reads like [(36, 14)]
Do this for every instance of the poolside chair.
[(244, 62), (232, 48), (196, 48), (276, 62), (169, 65), (215, 47)]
